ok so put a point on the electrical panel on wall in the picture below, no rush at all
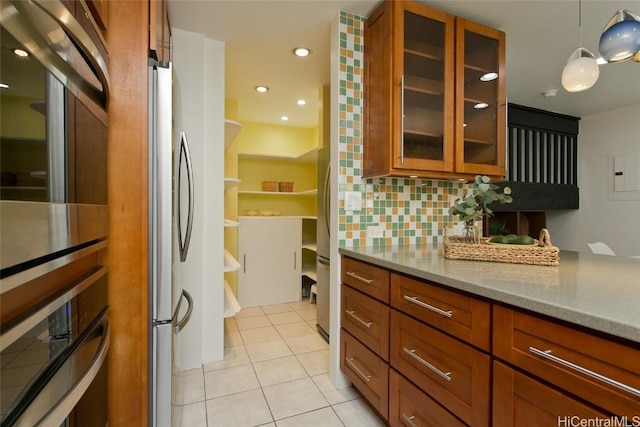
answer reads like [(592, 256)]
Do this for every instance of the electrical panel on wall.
[(624, 177)]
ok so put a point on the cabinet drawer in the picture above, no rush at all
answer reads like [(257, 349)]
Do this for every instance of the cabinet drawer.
[(368, 373), (366, 319), (457, 314), (367, 278), (594, 368), (519, 400), (453, 373), (409, 406)]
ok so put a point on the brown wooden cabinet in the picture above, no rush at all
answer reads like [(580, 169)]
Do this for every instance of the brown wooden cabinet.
[(366, 319), (457, 359), (519, 400), (159, 31), (460, 315), (434, 95), (99, 11), (364, 337), (453, 373), (595, 369)]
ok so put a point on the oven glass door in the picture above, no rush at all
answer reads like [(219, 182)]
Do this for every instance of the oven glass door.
[(54, 372), (53, 97)]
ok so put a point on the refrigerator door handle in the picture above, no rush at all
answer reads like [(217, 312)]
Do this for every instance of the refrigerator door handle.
[(323, 261), (184, 244), (327, 199), (183, 322)]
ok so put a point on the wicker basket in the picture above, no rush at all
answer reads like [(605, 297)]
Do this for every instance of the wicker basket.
[(269, 185), (285, 186), (458, 247)]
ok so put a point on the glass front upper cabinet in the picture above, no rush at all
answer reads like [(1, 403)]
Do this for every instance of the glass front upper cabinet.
[(426, 93), (481, 106)]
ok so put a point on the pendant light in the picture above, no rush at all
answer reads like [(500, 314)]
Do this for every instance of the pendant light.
[(620, 39), (581, 71)]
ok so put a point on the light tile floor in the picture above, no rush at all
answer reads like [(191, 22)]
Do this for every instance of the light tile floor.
[(274, 373)]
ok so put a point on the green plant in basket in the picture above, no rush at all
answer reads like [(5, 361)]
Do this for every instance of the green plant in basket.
[(474, 205)]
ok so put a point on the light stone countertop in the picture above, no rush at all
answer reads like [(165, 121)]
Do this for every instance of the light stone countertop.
[(596, 291)]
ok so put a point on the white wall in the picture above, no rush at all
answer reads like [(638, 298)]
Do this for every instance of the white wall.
[(199, 111), (615, 222)]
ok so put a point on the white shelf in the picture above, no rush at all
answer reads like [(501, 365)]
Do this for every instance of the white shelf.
[(231, 304), (231, 130), (281, 193), (310, 246), (230, 223), (310, 156), (311, 275), (231, 182), (230, 263)]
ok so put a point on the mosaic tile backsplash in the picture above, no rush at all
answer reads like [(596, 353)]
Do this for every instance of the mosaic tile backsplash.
[(409, 211)]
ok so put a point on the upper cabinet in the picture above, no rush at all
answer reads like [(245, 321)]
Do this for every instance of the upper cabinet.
[(159, 31), (434, 95)]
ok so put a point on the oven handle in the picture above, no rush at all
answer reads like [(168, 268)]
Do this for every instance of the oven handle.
[(30, 35), (74, 377)]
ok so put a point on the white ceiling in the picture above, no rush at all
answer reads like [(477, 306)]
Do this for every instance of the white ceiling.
[(260, 34)]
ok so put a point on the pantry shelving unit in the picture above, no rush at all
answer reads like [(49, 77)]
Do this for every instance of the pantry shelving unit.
[(231, 305)]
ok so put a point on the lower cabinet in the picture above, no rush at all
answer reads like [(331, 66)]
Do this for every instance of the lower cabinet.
[(410, 406), (367, 372), (519, 400), (453, 373), (269, 250), (455, 359)]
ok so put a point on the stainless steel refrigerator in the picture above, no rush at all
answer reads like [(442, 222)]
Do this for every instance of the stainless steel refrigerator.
[(170, 220), (323, 257)]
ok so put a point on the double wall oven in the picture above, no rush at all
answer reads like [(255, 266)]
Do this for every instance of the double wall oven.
[(54, 314)]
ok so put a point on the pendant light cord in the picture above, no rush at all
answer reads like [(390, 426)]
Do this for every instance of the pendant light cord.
[(580, 21)]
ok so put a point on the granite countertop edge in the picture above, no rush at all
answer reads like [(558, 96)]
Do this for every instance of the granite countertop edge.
[(628, 329)]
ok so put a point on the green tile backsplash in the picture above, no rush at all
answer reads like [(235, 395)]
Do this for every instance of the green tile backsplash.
[(410, 211)]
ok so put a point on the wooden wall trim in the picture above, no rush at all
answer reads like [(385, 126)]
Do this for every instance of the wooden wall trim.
[(127, 40)]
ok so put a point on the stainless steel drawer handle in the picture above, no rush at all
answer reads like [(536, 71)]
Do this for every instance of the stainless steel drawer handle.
[(353, 366), (409, 419), (360, 278), (416, 301), (547, 355), (412, 353), (353, 314)]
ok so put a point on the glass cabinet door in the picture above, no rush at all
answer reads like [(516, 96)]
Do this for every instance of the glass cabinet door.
[(426, 95), (481, 104)]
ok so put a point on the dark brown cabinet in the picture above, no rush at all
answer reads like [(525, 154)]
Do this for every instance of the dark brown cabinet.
[(515, 222)]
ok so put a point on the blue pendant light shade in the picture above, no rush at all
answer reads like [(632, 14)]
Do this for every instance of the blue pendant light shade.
[(620, 39)]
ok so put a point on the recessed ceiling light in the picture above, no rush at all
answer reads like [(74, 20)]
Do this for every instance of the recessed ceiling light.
[(301, 51), (488, 77), (20, 52), (480, 105), (3, 86), (301, 102), (284, 118), (262, 89)]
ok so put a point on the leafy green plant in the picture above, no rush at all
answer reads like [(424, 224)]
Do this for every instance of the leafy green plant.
[(473, 205), (497, 228)]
